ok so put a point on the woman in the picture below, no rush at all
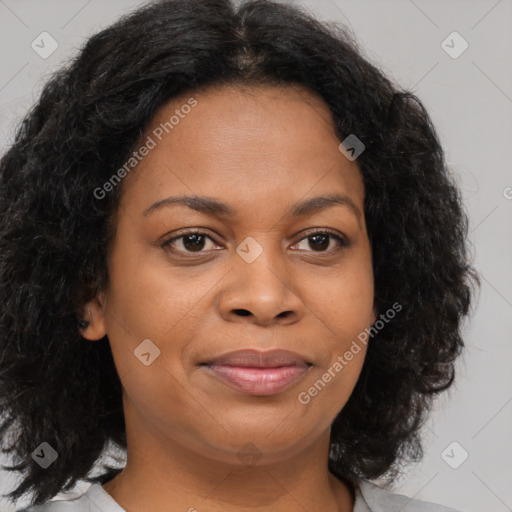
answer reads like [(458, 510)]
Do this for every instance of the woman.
[(238, 254)]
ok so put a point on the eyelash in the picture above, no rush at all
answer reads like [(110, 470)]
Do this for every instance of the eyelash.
[(342, 242)]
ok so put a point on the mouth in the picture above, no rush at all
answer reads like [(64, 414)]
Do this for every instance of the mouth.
[(254, 372)]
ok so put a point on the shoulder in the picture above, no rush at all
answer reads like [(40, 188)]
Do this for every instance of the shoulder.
[(95, 499), (71, 505), (372, 498), (369, 498)]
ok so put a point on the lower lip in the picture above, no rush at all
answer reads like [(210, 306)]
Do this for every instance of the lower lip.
[(258, 381)]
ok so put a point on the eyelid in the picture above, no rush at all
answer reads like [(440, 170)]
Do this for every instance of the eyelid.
[(190, 231)]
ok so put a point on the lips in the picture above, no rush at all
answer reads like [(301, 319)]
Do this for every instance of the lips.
[(257, 359), (258, 373)]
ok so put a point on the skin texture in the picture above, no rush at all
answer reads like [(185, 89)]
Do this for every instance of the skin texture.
[(260, 150)]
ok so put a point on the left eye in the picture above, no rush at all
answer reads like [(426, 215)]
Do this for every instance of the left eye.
[(194, 241), (321, 240)]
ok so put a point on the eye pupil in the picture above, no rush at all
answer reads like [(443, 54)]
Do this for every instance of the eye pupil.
[(197, 243), (323, 239)]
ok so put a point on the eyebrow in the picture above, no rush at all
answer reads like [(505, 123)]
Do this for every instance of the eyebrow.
[(210, 206)]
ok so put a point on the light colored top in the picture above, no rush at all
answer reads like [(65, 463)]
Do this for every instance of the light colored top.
[(368, 498)]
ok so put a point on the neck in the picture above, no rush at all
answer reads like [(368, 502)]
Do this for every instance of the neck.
[(154, 477)]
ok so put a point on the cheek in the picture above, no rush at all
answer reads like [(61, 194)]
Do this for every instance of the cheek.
[(347, 315), (146, 294), (149, 300), (325, 393), (348, 310), (148, 327)]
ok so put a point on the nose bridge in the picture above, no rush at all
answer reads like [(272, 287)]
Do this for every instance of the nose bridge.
[(260, 264), (260, 282)]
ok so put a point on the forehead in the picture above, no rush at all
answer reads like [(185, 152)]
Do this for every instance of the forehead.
[(263, 142)]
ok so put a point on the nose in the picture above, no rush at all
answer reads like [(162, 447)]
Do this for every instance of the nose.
[(261, 292)]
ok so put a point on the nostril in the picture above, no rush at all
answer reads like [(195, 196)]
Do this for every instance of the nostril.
[(242, 312)]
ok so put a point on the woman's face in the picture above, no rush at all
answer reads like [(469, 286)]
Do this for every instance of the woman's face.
[(256, 277)]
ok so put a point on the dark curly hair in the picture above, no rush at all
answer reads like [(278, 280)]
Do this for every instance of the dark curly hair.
[(55, 233)]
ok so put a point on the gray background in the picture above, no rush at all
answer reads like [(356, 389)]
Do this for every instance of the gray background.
[(470, 101)]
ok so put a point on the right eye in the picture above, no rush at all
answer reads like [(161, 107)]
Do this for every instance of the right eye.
[(190, 242)]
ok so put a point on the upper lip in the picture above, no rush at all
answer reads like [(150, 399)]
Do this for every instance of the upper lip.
[(253, 358)]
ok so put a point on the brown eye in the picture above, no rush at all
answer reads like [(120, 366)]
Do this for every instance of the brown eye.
[(189, 242), (320, 241)]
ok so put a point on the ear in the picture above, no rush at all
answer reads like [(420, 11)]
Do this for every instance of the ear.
[(94, 316)]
